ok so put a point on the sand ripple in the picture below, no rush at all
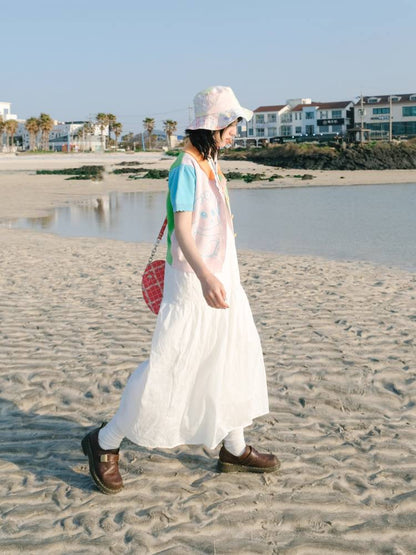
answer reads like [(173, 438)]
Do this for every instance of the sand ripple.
[(339, 343)]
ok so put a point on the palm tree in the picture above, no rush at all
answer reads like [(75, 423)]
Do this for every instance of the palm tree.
[(1, 132), (111, 122), (46, 124), (32, 125), (117, 128), (149, 125), (87, 130), (10, 127), (103, 122), (170, 127)]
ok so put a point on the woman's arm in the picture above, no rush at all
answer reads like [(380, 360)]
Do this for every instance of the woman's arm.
[(212, 289)]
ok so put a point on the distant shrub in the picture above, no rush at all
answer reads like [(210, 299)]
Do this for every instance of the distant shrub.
[(95, 173), (151, 174), (118, 171)]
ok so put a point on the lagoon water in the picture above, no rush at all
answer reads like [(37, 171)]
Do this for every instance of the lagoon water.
[(376, 223)]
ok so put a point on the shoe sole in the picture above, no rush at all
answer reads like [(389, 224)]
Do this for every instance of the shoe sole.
[(229, 467), (86, 448)]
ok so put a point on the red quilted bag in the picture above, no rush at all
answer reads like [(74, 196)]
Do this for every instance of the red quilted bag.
[(153, 277)]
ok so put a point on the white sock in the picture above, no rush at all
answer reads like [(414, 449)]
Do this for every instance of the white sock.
[(234, 442), (110, 436)]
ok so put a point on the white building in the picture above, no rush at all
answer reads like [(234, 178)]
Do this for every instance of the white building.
[(265, 121), (382, 114), (319, 119), (68, 136), (299, 117), (6, 111)]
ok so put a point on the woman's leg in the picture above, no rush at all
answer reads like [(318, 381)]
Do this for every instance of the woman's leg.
[(110, 436), (235, 443)]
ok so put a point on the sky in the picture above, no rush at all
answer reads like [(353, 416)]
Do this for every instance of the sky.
[(141, 59)]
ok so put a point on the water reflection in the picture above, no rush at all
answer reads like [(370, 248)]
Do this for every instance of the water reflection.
[(374, 223)]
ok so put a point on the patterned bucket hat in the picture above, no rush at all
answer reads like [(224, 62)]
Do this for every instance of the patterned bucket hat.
[(217, 107)]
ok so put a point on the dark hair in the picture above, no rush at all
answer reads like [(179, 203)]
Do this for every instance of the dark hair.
[(204, 141)]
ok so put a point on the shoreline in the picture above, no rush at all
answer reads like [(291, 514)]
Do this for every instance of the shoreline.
[(25, 194)]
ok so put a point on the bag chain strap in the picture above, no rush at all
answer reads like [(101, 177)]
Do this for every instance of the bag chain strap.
[(159, 238)]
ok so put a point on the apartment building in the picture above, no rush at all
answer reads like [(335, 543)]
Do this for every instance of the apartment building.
[(299, 117), (385, 115), (6, 111), (319, 119)]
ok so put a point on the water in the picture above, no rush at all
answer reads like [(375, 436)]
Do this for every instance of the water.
[(375, 223)]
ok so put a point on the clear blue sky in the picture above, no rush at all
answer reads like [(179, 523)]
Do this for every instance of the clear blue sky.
[(138, 58)]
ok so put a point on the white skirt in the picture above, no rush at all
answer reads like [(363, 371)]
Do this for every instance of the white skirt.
[(205, 375)]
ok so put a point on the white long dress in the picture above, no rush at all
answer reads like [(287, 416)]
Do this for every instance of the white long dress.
[(205, 375)]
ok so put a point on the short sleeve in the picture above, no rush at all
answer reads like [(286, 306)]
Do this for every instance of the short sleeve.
[(182, 183)]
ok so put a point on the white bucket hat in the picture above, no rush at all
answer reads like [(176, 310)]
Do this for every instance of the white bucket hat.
[(217, 107)]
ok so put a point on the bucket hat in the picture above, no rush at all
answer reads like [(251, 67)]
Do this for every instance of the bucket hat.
[(217, 107)]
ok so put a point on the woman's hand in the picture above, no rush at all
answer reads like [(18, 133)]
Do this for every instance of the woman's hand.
[(213, 291)]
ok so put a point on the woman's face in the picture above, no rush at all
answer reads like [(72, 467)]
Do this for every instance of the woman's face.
[(227, 137)]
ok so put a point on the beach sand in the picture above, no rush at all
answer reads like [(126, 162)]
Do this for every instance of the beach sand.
[(338, 340)]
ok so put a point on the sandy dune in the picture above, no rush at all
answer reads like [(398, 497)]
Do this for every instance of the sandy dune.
[(338, 339)]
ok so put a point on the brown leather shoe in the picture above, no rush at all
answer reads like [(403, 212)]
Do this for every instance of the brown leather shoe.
[(250, 461), (103, 464)]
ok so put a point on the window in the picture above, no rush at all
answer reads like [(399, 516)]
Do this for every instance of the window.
[(271, 118), (298, 130), (323, 114), (260, 131), (337, 129), (404, 128), (285, 130), (239, 129), (373, 100), (409, 111), (412, 97), (381, 110), (251, 132), (395, 98), (337, 113), (286, 118), (259, 118), (324, 129), (272, 131), (309, 115), (310, 130)]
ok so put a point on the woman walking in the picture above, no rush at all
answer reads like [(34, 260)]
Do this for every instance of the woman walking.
[(205, 379)]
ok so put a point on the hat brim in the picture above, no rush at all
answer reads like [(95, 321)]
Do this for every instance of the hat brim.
[(216, 122)]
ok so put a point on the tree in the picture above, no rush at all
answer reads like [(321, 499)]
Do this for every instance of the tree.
[(117, 128), (103, 122), (46, 124), (10, 126), (32, 125), (1, 131), (170, 128), (149, 125), (87, 130), (112, 120), (127, 140)]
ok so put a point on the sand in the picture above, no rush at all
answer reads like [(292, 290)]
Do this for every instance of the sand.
[(338, 340)]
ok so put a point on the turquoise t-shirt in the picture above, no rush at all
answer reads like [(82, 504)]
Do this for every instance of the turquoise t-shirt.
[(181, 196), (182, 183)]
